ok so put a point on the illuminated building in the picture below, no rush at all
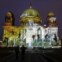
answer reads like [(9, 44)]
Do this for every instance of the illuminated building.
[(31, 33)]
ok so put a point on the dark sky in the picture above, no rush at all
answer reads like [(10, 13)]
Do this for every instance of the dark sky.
[(43, 6)]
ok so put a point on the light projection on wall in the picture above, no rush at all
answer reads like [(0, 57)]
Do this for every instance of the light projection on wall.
[(30, 33)]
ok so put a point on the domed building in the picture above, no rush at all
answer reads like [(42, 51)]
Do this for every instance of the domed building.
[(31, 33), (30, 15), (30, 20)]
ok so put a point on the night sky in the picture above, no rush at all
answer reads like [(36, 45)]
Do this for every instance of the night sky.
[(43, 6)]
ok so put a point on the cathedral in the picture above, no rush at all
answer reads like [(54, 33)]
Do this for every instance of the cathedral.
[(31, 32)]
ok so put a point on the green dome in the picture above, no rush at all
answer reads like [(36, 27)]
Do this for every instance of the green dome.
[(30, 12)]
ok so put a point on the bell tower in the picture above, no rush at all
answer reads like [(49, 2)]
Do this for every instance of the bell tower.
[(9, 19), (51, 19)]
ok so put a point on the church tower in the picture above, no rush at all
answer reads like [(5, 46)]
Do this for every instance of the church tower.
[(9, 19), (51, 19), (52, 29), (8, 26)]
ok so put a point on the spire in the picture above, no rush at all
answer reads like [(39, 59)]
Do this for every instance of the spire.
[(30, 5)]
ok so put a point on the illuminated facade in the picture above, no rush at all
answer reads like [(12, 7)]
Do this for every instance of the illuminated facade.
[(30, 32)]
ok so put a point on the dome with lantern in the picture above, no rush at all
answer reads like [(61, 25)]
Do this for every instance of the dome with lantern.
[(31, 15)]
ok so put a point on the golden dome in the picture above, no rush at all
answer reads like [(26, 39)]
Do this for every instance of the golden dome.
[(30, 15), (30, 12), (51, 14)]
